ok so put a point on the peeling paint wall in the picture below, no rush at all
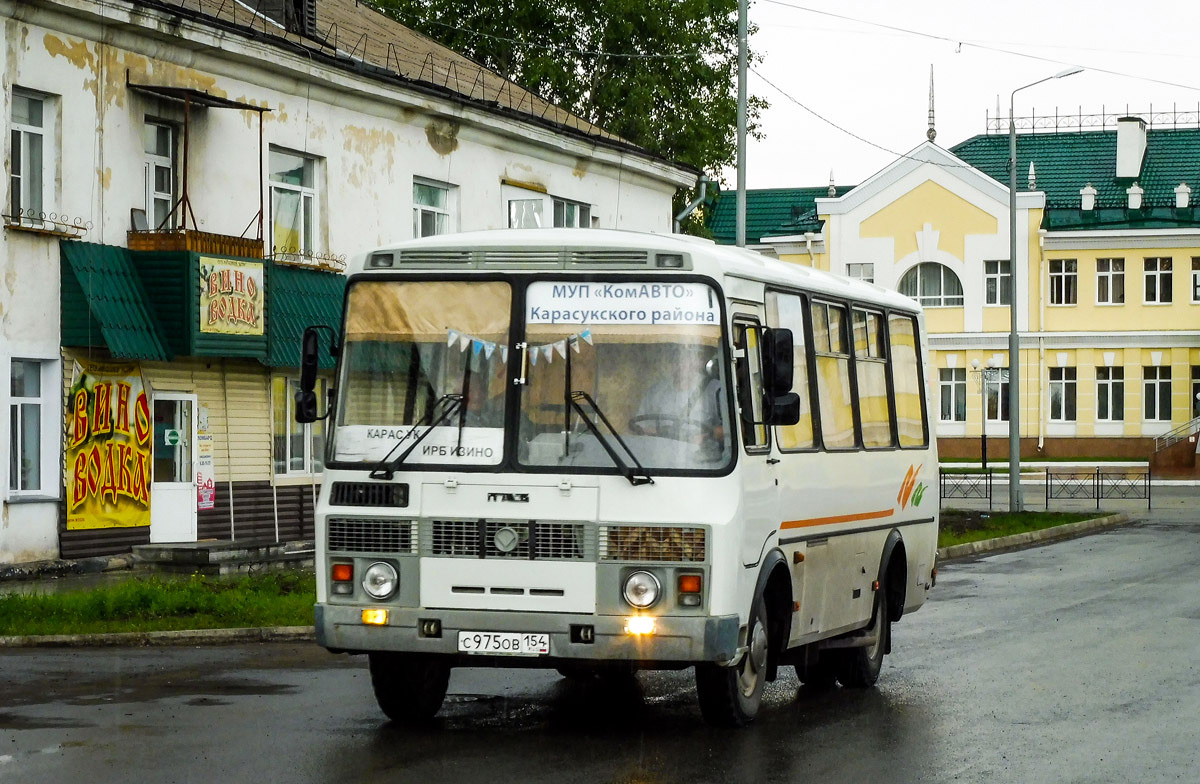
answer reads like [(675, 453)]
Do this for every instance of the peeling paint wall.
[(371, 140)]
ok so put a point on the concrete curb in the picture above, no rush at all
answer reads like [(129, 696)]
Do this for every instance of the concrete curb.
[(1030, 537), (181, 637)]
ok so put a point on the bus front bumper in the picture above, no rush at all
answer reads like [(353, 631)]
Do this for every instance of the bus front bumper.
[(677, 640)]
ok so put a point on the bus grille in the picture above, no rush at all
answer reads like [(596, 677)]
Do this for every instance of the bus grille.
[(368, 494), (372, 536), (652, 543), (534, 540)]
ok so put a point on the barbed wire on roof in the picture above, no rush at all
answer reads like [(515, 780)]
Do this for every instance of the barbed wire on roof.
[(1174, 118)]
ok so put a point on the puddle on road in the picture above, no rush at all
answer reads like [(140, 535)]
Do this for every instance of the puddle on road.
[(15, 721)]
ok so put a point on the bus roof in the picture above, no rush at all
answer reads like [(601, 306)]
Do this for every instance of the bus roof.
[(607, 250)]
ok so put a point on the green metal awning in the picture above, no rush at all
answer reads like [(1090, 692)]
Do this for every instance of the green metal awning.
[(299, 298), (103, 283)]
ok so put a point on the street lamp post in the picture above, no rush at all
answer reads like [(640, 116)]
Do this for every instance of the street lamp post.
[(983, 379), (1014, 339)]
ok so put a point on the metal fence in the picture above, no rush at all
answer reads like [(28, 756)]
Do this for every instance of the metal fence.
[(972, 484), (1102, 483)]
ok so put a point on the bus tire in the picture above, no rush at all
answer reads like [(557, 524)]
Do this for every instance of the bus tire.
[(731, 696), (408, 688), (859, 667)]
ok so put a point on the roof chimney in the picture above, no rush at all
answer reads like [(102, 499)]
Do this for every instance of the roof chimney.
[(1032, 177), (1087, 198), (1183, 196), (295, 16), (1135, 196), (1131, 146)]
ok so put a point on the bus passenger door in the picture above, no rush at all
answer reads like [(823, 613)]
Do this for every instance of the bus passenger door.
[(760, 491)]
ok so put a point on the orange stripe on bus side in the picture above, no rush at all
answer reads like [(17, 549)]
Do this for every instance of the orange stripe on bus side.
[(850, 518)]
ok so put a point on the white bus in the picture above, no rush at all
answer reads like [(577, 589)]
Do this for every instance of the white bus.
[(601, 451)]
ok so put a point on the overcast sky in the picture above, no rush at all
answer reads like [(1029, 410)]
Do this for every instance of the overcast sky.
[(840, 60)]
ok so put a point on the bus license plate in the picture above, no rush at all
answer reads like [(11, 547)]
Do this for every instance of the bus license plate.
[(504, 643)]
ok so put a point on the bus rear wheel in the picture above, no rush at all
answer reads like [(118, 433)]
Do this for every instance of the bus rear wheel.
[(408, 688), (731, 696), (859, 667)]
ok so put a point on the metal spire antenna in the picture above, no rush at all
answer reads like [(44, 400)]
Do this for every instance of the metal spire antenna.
[(931, 132)]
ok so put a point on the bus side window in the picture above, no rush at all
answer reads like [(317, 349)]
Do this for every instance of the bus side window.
[(750, 385), (786, 311), (870, 358), (906, 381), (832, 349)]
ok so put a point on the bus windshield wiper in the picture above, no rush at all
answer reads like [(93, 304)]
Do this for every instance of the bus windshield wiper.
[(386, 468), (639, 477)]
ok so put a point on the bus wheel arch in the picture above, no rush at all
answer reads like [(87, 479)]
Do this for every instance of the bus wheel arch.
[(893, 575)]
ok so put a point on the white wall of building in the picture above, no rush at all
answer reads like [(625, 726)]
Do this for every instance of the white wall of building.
[(371, 139)]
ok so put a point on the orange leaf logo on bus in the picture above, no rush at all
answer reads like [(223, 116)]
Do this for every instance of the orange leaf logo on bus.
[(909, 489)]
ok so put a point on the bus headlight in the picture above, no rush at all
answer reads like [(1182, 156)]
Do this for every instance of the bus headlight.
[(641, 590), (380, 580)]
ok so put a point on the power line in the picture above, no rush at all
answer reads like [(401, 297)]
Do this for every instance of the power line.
[(960, 43)]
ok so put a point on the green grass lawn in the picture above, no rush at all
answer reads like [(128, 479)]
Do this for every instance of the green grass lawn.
[(961, 526), (144, 604)]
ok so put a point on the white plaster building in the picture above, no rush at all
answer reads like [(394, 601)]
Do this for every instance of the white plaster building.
[(203, 127)]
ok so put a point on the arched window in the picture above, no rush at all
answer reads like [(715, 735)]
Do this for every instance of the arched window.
[(932, 284)]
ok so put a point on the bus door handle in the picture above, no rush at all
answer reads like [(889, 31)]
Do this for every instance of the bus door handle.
[(772, 460)]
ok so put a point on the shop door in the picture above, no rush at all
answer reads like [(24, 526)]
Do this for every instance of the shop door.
[(173, 492)]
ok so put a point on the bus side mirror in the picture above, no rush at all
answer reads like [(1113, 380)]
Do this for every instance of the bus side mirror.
[(784, 409), (310, 360), (778, 349)]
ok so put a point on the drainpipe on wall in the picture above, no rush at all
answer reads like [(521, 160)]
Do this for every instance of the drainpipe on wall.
[(704, 181), (808, 241), (1041, 445)]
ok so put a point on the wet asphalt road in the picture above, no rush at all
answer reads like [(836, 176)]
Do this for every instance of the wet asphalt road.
[(1074, 662)]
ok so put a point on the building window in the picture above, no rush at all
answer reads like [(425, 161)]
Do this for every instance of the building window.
[(952, 384), (1110, 281), (995, 393), (432, 209), (29, 155), (25, 426), (1156, 393), (997, 277), (525, 214), (861, 271), (294, 204), (572, 215), (1064, 281), (933, 285), (1195, 391), (1195, 279), (1110, 394), (298, 448), (159, 175), (1158, 281), (1062, 394)]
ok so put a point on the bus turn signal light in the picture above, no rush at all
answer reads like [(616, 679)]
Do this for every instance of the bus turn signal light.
[(343, 572), (689, 583)]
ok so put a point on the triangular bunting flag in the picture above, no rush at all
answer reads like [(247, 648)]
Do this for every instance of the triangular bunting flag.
[(504, 354), (476, 346), (586, 335), (561, 347), (489, 349), (574, 341), (533, 357), (452, 337), (463, 342), (548, 350)]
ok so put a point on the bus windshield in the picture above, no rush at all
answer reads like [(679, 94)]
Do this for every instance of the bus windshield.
[(408, 346), (633, 369), (634, 364)]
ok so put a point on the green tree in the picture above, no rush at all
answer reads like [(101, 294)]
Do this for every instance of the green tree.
[(661, 74)]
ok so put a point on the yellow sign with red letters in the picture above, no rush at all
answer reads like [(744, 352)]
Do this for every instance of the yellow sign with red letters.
[(231, 296), (107, 468)]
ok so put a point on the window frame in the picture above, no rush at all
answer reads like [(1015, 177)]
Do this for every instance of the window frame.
[(19, 143), (998, 283), (1064, 282), (311, 193), (150, 160), (449, 213), (954, 386), (1153, 390), (1160, 274), (749, 370), (48, 428), (802, 363), (996, 379), (1110, 385), (941, 299), (1110, 277), (1195, 280), (582, 214), (878, 353), (1066, 385), (309, 430), (856, 270)]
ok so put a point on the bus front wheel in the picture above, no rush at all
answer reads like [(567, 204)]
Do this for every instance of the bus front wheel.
[(731, 696), (408, 688)]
